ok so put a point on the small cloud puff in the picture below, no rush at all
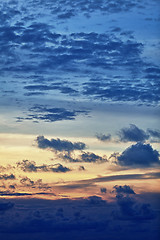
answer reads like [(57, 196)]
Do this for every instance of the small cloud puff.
[(123, 189), (103, 137)]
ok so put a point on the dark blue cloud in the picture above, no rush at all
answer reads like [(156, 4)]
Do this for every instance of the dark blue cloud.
[(89, 218), (30, 166), (14, 194), (59, 145), (5, 206), (7, 177), (123, 189), (54, 86), (130, 209), (91, 157), (88, 157), (139, 155), (21, 194), (42, 113), (133, 134), (154, 133)]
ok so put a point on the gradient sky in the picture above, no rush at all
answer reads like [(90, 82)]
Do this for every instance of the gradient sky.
[(79, 122)]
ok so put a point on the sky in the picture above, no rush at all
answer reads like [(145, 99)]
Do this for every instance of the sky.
[(79, 119)]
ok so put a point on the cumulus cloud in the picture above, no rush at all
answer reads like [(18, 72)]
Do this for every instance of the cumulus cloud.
[(139, 155), (130, 209), (123, 189), (59, 145), (132, 134)]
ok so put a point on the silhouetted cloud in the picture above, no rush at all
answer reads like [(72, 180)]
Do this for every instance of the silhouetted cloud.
[(7, 177), (133, 134), (103, 137), (50, 114), (130, 209), (103, 190), (123, 189), (14, 194), (30, 166), (139, 155), (37, 184), (87, 157), (91, 157), (92, 217), (21, 194), (59, 145)]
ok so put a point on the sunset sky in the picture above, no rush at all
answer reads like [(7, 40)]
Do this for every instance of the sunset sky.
[(79, 122)]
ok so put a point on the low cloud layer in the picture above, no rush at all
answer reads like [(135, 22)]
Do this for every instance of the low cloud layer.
[(82, 218)]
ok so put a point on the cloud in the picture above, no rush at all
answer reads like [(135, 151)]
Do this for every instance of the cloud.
[(27, 182), (16, 194), (81, 168), (83, 218), (103, 190), (139, 155), (50, 114), (154, 133), (132, 134), (123, 189), (87, 157), (6, 206), (65, 89), (7, 177), (91, 157), (21, 194), (30, 166), (103, 137), (59, 145), (111, 178), (132, 210)]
